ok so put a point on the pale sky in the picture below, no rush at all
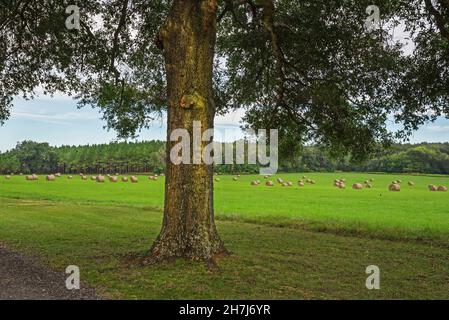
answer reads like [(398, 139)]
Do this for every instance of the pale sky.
[(58, 121)]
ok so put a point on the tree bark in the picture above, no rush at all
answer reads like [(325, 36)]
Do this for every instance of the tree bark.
[(188, 43)]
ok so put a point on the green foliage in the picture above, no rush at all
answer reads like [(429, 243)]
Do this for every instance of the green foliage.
[(308, 68), (31, 157), (149, 156)]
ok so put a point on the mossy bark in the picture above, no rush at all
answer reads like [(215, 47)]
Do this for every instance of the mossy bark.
[(188, 40)]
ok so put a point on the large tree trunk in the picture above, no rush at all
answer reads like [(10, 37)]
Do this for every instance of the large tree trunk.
[(188, 40)]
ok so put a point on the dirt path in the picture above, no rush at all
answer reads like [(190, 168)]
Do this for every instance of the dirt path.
[(23, 277)]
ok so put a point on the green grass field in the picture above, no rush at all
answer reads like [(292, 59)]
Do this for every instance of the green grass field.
[(287, 243)]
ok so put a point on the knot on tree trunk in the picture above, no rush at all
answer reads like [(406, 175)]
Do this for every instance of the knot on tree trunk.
[(193, 101)]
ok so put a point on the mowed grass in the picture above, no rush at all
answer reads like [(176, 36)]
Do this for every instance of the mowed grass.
[(413, 213), (287, 243), (266, 262)]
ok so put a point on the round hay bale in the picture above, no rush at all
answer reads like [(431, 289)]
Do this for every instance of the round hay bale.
[(58, 175), (134, 179), (162, 174), (301, 183), (93, 178), (125, 179), (254, 183), (357, 186), (35, 177), (70, 177), (258, 181), (8, 177), (50, 177), (342, 185), (101, 179), (394, 187), (442, 188), (269, 184), (280, 180), (290, 184), (368, 185), (312, 182), (29, 178), (113, 179), (433, 188), (84, 178)]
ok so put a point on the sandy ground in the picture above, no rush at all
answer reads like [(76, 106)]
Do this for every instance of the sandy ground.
[(24, 278)]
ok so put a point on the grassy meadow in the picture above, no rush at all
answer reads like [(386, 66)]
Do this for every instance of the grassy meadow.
[(286, 242)]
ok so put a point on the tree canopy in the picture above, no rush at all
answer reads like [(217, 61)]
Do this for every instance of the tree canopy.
[(308, 68)]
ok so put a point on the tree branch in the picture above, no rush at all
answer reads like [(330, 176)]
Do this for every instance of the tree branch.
[(439, 19), (115, 42)]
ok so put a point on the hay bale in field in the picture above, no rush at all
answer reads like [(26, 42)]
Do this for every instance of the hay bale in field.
[(301, 183), (101, 179), (357, 186), (93, 178), (368, 185), (280, 180), (442, 188), (70, 177), (394, 187), (50, 177), (411, 184), (134, 179), (8, 177), (433, 188), (269, 184), (29, 178), (84, 178), (113, 179), (290, 184), (312, 181), (342, 185), (235, 179), (162, 174), (58, 175), (254, 183), (125, 179)]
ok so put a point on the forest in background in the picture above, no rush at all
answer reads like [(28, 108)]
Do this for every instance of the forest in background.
[(149, 156)]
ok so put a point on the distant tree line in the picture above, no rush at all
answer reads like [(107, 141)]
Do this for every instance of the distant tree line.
[(149, 156)]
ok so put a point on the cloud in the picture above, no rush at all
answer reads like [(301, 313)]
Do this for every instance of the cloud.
[(438, 128)]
